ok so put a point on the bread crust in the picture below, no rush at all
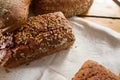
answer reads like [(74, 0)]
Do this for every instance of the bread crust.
[(91, 70), (38, 37), (13, 13), (68, 7)]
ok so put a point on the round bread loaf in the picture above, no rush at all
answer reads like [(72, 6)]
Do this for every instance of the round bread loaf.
[(13, 13), (68, 7)]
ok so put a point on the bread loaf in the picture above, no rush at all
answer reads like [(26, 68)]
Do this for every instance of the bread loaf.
[(38, 37), (13, 13), (91, 70), (68, 7)]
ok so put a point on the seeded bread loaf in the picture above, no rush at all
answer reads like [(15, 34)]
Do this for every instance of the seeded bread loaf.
[(91, 70), (38, 37), (68, 7), (13, 13)]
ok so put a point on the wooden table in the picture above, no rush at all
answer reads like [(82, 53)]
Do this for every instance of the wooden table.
[(105, 8)]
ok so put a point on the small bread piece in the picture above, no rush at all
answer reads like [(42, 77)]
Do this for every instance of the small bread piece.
[(91, 70), (38, 37), (68, 7), (13, 13)]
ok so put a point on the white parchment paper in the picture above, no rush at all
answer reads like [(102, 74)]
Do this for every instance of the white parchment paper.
[(93, 42)]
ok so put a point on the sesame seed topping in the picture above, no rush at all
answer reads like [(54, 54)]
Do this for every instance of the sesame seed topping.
[(22, 55)]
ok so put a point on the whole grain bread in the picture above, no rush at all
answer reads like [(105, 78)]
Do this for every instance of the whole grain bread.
[(68, 7), (38, 37), (91, 70), (13, 13)]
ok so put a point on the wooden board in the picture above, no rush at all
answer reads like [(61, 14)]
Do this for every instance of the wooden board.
[(105, 8)]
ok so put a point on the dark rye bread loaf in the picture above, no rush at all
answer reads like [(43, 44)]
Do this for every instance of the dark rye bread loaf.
[(38, 37), (91, 70), (68, 7)]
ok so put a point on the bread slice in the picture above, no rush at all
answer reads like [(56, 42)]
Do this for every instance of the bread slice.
[(13, 13), (91, 70), (38, 37), (68, 7)]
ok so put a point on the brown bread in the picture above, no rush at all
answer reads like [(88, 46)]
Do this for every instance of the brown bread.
[(91, 70), (68, 7), (13, 13), (38, 37)]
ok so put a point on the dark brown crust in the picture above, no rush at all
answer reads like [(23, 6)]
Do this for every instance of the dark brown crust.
[(91, 70), (68, 7), (13, 13), (38, 37)]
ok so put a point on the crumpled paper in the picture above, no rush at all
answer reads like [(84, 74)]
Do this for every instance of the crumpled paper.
[(93, 42)]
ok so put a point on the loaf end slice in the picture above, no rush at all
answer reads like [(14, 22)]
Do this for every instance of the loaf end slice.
[(91, 70), (40, 36)]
